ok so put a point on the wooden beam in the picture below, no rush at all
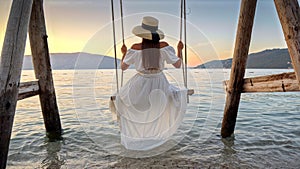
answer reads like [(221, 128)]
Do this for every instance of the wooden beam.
[(289, 15), (284, 82), (10, 70), (42, 69), (189, 93), (242, 43), (28, 89)]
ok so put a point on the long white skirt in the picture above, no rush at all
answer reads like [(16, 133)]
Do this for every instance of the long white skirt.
[(149, 110)]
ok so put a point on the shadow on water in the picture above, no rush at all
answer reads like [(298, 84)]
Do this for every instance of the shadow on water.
[(228, 146), (53, 158)]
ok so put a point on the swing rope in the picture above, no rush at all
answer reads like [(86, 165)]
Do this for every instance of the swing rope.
[(184, 61), (185, 45), (181, 16), (181, 13), (122, 23), (115, 46), (123, 39)]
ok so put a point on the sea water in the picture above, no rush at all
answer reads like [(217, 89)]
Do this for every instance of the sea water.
[(267, 132)]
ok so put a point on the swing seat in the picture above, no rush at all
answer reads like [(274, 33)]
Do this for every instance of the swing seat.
[(189, 93)]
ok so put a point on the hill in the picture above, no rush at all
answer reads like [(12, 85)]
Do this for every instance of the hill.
[(267, 59), (75, 61)]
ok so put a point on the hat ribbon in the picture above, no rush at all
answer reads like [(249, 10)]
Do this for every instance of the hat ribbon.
[(150, 28)]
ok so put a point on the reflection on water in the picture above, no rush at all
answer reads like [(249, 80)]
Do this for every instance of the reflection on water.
[(267, 132), (53, 158)]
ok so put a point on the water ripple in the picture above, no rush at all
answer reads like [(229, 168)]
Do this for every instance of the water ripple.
[(267, 131)]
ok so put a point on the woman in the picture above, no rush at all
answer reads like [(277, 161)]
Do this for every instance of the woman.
[(149, 109)]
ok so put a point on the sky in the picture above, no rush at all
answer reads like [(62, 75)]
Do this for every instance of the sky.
[(86, 26)]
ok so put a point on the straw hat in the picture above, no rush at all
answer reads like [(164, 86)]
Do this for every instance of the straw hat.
[(148, 27)]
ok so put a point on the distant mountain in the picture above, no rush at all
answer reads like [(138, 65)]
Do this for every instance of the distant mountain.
[(75, 61), (267, 59)]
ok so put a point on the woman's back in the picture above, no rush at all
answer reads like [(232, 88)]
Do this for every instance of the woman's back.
[(151, 54), (149, 59)]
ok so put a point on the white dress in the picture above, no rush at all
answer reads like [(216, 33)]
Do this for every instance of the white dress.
[(149, 109)]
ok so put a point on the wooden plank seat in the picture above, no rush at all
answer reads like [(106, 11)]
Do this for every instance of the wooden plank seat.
[(189, 93)]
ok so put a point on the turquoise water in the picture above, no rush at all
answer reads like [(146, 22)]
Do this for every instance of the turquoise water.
[(267, 132)]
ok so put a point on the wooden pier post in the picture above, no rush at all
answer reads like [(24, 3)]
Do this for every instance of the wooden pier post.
[(239, 61), (43, 72), (289, 14), (10, 70)]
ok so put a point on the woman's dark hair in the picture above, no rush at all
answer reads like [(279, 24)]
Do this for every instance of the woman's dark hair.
[(151, 52)]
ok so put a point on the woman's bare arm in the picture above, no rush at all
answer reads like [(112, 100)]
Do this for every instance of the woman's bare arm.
[(179, 54), (124, 66), (137, 46), (179, 48)]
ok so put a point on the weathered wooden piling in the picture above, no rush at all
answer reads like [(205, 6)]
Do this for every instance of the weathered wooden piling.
[(10, 70), (242, 43), (24, 15), (289, 15), (42, 69)]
